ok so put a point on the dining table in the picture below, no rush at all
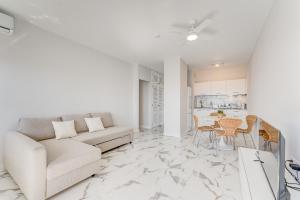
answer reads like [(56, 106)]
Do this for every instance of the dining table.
[(210, 120)]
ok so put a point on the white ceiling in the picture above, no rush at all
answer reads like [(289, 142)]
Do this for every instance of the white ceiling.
[(126, 29)]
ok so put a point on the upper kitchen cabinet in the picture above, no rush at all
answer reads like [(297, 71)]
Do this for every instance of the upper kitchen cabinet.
[(218, 88), (202, 88), (236, 87), (228, 87)]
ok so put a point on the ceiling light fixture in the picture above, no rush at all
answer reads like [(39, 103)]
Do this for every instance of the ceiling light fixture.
[(192, 36), (217, 65)]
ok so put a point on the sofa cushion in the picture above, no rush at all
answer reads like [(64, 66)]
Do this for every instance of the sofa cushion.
[(66, 155), (65, 129), (106, 118), (104, 135), (37, 128), (94, 124), (80, 124)]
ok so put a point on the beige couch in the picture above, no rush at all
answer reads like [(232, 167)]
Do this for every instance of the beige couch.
[(42, 166)]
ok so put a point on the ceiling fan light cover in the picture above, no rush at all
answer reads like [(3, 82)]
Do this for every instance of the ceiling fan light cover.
[(217, 65), (192, 37)]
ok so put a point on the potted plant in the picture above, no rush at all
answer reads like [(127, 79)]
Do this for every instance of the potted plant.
[(221, 113)]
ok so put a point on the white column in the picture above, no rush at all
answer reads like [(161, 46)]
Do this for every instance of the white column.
[(175, 96), (135, 100)]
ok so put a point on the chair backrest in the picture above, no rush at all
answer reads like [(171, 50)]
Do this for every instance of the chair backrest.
[(196, 121), (230, 125), (273, 133), (251, 119)]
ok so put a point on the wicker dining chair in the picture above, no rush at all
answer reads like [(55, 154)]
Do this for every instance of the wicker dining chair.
[(228, 128), (250, 119), (201, 129)]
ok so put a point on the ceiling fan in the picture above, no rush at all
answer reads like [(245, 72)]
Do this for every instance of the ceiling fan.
[(193, 29)]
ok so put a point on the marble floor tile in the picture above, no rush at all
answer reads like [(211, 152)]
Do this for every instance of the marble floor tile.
[(155, 167)]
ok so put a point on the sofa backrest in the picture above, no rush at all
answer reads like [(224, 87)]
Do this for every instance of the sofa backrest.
[(80, 124), (42, 128), (106, 118), (38, 128)]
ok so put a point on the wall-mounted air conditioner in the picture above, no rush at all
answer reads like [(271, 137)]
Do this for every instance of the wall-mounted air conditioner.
[(6, 24)]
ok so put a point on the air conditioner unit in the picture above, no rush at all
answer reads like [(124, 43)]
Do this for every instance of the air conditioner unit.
[(6, 24)]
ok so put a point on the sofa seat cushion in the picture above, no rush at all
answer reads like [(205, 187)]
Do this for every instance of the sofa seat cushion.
[(105, 135), (66, 155)]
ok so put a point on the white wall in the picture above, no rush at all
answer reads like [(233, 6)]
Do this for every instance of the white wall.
[(175, 86), (221, 73), (183, 96), (172, 97), (45, 75), (144, 73), (135, 96), (275, 69)]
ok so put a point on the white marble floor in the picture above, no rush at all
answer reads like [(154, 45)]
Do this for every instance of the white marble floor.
[(154, 168)]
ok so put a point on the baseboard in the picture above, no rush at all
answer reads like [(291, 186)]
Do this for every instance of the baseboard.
[(145, 127)]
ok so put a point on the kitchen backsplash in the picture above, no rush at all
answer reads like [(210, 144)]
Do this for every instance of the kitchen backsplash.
[(221, 102)]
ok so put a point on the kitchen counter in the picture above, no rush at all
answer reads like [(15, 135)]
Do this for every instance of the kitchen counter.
[(205, 118), (211, 108), (204, 113)]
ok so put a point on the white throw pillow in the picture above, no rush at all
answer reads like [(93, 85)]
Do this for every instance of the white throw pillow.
[(65, 129), (94, 124)]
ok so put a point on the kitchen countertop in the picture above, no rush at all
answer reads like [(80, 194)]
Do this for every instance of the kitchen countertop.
[(209, 108)]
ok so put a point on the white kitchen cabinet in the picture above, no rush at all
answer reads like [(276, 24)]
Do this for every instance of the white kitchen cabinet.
[(236, 87), (218, 87), (229, 87), (202, 88), (196, 90)]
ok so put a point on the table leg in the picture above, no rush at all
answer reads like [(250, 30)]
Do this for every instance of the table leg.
[(223, 146)]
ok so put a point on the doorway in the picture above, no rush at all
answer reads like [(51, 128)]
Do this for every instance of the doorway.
[(144, 105)]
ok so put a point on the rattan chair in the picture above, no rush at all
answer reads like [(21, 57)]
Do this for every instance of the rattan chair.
[(228, 128), (201, 129), (251, 119)]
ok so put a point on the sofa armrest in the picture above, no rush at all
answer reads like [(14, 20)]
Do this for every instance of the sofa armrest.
[(26, 161)]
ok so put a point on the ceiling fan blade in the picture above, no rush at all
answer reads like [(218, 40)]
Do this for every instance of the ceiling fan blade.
[(205, 23), (205, 37), (178, 26), (178, 32)]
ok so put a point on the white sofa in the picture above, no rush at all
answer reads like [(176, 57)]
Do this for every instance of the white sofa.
[(42, 166)]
